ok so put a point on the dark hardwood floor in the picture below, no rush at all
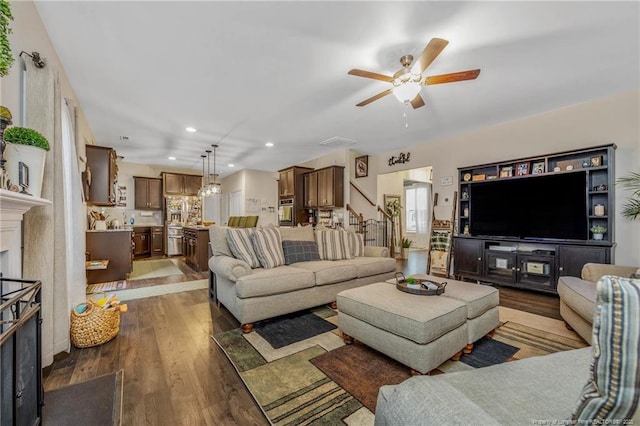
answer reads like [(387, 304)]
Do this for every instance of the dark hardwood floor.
[(175, 374)]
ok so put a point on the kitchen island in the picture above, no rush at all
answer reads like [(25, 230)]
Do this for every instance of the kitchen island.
[(114, 245), (196, 247)]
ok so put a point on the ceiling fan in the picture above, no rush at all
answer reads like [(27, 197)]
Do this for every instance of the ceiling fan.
[(408, 81)]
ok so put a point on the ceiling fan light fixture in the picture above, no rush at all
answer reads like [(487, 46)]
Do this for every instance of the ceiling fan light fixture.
[(407, 91)]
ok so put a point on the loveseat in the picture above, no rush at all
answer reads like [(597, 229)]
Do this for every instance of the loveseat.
[(593, 385), (578, 295), (256, 293)]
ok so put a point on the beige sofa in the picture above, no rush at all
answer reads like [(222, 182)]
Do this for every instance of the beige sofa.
[(578, 295), (255, 294)]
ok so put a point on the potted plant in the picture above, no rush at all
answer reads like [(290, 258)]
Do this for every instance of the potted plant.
[(5, 121), (632, 206), (598, 231), (406, 244), (25, 154), (6, 58)]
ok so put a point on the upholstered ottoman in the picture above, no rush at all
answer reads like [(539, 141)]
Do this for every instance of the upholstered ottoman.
[(419, 331), (482, 305)]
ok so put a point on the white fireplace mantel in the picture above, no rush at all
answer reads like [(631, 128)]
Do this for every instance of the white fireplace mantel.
[(13, 206)]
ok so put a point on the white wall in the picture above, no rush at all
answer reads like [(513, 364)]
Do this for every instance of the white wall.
[(259, 193), (614, 119)]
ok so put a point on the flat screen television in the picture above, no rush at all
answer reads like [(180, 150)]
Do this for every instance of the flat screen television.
[(543, 207)]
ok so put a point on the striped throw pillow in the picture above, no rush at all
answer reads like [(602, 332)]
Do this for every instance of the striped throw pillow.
[(356, 243), (613, 390), (239, 240), (333, 244), (267, 244)]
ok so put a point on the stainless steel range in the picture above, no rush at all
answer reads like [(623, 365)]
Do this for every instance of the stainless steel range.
[(175, 236)]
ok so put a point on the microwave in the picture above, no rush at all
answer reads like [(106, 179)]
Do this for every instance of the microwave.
[(286, 216)]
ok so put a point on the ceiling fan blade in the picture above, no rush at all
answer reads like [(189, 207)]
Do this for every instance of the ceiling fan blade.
[(375, 98), (430, 52), (369, 74), (417, 102), (453, 77)]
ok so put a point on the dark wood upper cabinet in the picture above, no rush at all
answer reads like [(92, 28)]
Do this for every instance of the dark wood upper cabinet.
[(103, 169), (192, 184), (148, 193), (173, 183), (181, 184), (286, 183), (324, 188), (311, 190)]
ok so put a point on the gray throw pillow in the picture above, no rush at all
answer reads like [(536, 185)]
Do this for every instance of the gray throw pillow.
[(299, 251)]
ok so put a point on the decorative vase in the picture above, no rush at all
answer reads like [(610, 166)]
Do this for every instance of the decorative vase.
[(403, 253), (598, 236), (25, 167)]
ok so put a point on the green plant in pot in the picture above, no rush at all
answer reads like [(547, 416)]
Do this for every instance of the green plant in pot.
[(631, 208), (6, 58), (405, 244), (25, 153), (598, 232)]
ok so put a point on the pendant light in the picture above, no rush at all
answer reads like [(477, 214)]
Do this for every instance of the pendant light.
[(215, 186), (203, 185), (207, 186)]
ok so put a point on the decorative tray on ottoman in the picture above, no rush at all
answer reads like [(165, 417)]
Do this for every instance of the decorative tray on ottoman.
[(418, 286)]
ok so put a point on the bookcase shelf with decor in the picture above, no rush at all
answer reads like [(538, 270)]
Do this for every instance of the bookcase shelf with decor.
[(558, 198)]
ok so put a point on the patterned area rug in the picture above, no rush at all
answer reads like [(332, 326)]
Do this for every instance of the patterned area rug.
[(319, 379)]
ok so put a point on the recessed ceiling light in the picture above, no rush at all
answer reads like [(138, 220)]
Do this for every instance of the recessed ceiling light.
[(269, 144), (172, 158), (190, 129), (232, 165)]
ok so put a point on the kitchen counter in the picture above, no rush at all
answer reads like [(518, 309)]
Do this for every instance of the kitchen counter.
[(111, 230)]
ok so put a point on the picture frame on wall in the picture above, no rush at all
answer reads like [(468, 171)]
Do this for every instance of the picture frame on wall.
[(522, 169), (362, 166), (506, 171), (537, 168)]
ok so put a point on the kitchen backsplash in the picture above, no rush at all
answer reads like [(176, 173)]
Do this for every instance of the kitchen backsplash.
[(141, 217)]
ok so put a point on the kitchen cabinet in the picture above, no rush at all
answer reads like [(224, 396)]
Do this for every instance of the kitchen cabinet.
[(148, 193), (286, 183), (181, 184), (196, 248), (311, 190), (324, 188), (141, 241), (157, 240), (103, 171), (114, 246)]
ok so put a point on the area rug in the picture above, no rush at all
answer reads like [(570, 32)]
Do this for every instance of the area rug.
[(97, 402), (153, 269), (108, 286), (319, 379)]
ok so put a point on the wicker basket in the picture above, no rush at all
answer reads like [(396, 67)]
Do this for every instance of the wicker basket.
[(94, 326)]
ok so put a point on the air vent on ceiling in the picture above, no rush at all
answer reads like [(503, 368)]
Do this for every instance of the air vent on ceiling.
[(338, 142), (124, 138)]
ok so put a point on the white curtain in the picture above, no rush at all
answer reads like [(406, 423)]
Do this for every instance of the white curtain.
[(53, 236)]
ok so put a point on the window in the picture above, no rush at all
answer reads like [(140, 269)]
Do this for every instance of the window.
[(417, 207)]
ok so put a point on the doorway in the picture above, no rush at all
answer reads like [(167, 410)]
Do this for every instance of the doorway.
[(415, 191)]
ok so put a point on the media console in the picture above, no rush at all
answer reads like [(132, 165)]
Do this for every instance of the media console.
[(528, 221)]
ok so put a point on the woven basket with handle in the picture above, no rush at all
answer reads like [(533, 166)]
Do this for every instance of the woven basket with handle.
[(94, 326)]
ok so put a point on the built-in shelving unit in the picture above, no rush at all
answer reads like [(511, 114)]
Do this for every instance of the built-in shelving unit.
[(537, 263)]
